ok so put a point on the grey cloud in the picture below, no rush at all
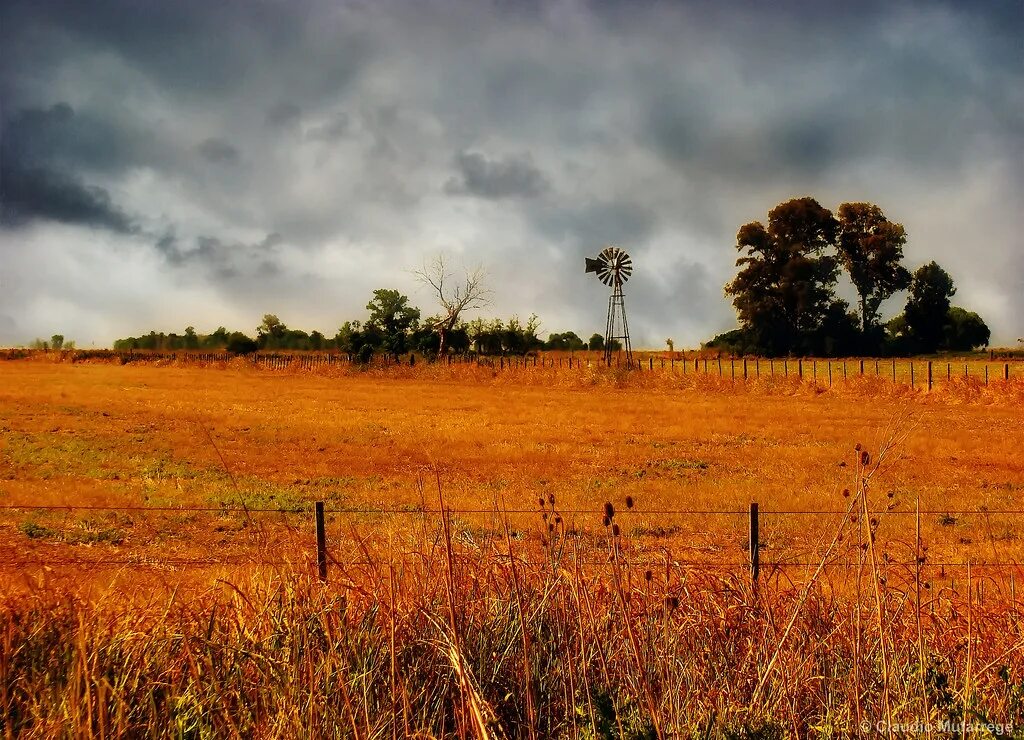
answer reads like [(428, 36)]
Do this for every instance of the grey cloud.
[(225, 261), (61, 137), (37, 193), (510, 177), (373, 133), (284, 115), (595, 224), (218, 151), (193, 49), (337, 126), (8, 330)]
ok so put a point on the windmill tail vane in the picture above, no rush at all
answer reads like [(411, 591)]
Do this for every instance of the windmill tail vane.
[(613, 267)]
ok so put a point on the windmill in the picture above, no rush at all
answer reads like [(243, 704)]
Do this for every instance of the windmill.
[(613, 267)]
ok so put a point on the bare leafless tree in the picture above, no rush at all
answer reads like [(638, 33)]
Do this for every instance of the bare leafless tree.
[(455, 296)]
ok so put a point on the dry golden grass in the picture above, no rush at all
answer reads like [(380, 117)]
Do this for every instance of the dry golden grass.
[(161, 436), (444, 635)]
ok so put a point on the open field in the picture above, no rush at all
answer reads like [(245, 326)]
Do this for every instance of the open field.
[(497, 617)]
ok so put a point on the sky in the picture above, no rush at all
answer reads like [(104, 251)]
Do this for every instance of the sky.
[(166, 164)]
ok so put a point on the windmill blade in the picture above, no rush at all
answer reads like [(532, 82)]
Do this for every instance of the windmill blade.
[(613, 266)]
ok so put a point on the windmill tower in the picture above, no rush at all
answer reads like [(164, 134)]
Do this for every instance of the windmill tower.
[(613, 267)]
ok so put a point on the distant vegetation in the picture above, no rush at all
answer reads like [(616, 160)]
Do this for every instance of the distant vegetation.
[(56, 343), (785, 295), (392, 327), (785, 290)]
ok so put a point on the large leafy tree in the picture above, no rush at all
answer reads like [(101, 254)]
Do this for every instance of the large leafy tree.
[(870, 248), (965, 330), (392, 318), (928, 306), (785, 287)]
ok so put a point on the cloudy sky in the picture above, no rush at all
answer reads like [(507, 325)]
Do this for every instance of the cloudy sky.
[(192, 162)]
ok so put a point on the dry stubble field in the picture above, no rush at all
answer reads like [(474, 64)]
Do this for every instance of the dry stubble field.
[(237, 442)]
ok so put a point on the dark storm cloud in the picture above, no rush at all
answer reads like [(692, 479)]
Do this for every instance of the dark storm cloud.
[(37, 193), (520, 135), (493, 179)]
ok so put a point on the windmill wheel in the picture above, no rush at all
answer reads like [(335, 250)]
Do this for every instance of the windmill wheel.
[(614, 266)]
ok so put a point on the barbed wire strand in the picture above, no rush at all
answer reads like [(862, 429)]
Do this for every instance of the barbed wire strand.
[(560, 512)]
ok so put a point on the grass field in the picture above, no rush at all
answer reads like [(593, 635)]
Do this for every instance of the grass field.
[(501, 618)]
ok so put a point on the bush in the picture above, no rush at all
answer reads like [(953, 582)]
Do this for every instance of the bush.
[(240, 344)]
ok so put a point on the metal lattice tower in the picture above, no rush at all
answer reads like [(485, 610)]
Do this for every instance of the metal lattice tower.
[(613, 267)]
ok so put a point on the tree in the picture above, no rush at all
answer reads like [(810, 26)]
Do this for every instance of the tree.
[(349, 337), (671, 345), (219, 338), (596, 343), (928, 306), (870, 248), (454, 297), (393, 317), (965, 330), (57, 341), (839, 332), (191, 338), (270, 332), (568, 340), (785, 285), (240, 344)]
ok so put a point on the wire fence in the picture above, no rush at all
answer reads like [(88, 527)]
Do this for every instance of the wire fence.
[(819, 371), (752, 564), (381, 510)]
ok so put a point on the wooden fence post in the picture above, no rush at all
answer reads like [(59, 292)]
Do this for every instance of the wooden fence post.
[(1006, 371), (929, 374), (755, 544), (744, 368), (321, 541), (911, 374)]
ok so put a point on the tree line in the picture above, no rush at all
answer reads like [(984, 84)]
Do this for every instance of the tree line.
[(785, 290), (392, 326)]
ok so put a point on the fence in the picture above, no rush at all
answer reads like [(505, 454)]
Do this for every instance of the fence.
[(753, 565), (824, 372)]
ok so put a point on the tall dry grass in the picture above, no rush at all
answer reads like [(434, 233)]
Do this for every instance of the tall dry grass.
[(450, 639)]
